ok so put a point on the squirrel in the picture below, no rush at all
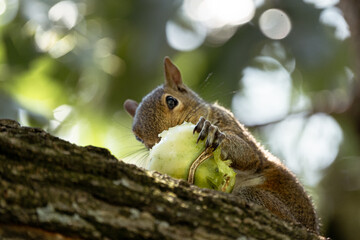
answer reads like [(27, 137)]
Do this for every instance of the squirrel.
[(260, 177)]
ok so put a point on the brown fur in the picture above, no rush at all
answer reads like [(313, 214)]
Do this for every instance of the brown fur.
[(261, 178)]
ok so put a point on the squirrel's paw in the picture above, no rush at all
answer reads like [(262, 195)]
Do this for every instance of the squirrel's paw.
[(209, 131)]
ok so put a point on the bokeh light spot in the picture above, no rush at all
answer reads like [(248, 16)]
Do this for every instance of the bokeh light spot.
[(62, 112), (63, 46), (65, 12), (104, 47), (217, 14), (185, 38), (8, 10), (275, 24), (333, 17), (50, 41), (266, 92), (322, 3), (2, 7), (45, 39), (306, 144)]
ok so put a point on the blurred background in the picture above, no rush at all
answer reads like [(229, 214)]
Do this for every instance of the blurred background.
[(285, 68)]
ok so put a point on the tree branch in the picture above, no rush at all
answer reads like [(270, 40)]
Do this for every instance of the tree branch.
[(52, 189)]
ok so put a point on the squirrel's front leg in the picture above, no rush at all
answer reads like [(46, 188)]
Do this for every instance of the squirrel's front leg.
[(263, 182), (232, 146)]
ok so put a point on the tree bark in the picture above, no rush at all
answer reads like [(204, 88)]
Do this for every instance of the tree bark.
[(52, 189)]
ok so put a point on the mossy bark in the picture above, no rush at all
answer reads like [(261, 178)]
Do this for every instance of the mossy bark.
[(52, 189)]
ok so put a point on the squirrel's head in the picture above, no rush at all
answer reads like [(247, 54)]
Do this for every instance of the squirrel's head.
[(166, 106)]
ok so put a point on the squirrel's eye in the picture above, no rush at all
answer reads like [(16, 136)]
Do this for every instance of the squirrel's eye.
[(171, 102)]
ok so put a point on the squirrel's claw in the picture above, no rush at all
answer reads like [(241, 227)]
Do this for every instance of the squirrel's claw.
[(214, 137), (211, 132), (199, 125), (204, 131)]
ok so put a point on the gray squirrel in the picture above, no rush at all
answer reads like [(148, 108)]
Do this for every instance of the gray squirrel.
[(261, 178)]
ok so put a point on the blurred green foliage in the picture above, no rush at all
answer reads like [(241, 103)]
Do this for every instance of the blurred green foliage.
[(68, 69)]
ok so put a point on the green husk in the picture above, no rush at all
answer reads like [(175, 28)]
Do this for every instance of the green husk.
[(176, 152)]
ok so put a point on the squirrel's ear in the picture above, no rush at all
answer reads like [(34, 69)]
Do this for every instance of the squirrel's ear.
[(172, 75), (130, 106)]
